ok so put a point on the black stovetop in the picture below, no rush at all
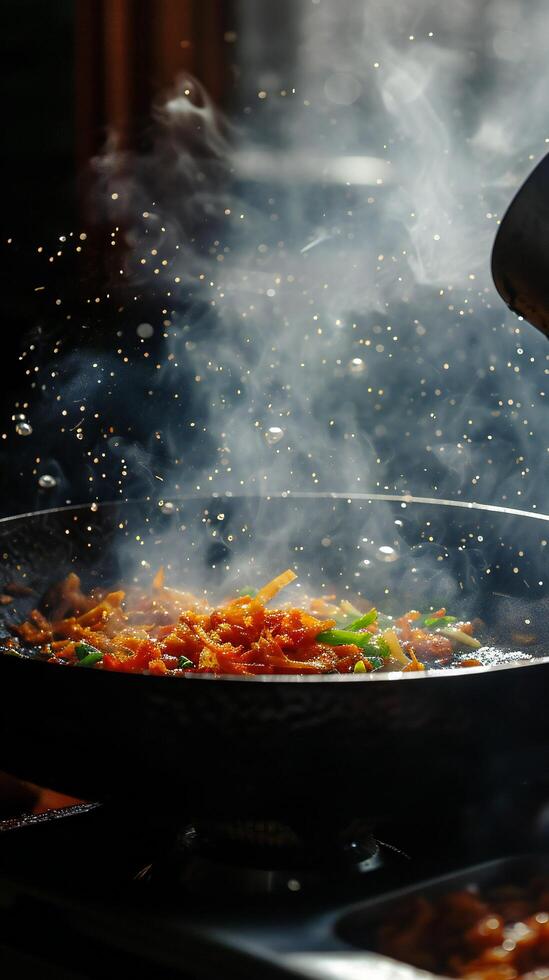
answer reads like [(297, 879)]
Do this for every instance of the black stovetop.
[(91, 891)]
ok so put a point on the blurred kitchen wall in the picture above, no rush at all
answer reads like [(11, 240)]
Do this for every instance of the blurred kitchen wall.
[(128, 53), (77, 70), (73, 71)]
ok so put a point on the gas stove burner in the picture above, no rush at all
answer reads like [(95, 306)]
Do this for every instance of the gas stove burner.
[(266, 857)]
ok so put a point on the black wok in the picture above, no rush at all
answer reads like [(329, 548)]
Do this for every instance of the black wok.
[(521, 250), (278, 744)]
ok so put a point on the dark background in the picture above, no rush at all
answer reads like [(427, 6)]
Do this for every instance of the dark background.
[(38, 60), (74, 71)]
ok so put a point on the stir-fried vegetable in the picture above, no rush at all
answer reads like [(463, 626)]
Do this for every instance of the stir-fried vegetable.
[(84, 650), (497, 930), (458, 636), (269, 591), (86, 655), (365, 641), (363, 621), (437, 621), (169, 631), (395, 649)]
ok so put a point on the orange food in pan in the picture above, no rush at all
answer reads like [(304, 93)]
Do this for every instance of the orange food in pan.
[(169, 632), (500, 935)]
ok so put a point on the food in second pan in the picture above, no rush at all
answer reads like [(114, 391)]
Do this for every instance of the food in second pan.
[(499, 933), (169, 632)]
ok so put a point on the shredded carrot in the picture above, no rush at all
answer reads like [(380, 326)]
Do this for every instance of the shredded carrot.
[(102, 610), (273, 587), (414, 665)]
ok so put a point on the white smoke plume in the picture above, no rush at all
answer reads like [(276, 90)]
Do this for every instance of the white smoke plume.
[(315, 269)]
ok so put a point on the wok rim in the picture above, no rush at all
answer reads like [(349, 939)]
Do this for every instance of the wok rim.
[(403, 498), (377, 678), (390, 676)]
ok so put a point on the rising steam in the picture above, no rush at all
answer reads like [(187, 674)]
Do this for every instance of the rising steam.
[(310, 298)]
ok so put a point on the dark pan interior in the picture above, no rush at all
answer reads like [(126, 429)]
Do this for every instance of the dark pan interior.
[(276, 744), (396, 553)]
